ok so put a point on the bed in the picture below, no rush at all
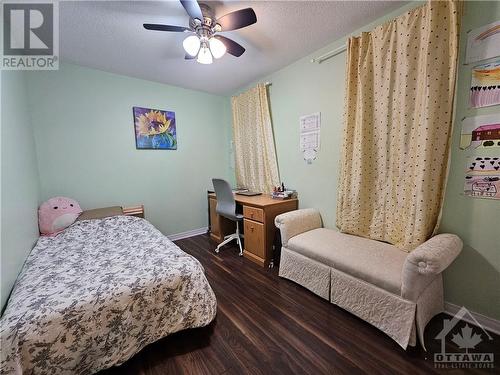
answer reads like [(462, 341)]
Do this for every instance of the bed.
[(96, 294)]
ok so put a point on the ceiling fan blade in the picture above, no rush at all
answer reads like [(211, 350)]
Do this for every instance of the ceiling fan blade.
[(153, 26), (232, 47), (192, 8), (187, 56), (238, 19)]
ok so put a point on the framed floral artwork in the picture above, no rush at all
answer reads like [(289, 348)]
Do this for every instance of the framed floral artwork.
[(155, 129)]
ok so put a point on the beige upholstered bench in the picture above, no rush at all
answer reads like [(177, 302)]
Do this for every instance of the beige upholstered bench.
[(396, 291)]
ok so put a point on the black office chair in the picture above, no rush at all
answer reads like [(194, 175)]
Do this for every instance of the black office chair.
[(226, 206)]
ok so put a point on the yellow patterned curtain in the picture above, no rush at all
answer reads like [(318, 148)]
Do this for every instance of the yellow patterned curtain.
[(255, 154), (398, 117)]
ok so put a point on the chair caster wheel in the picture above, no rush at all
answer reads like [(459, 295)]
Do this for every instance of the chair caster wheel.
[(217, 251), (240, 254)]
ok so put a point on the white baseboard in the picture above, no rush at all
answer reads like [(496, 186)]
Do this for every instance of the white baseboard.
[(488, 323), (189, 233)]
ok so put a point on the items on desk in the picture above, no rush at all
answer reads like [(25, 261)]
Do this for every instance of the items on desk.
[(279, 188), (280, 192), (248, 193), (287, 194), (239, 190)]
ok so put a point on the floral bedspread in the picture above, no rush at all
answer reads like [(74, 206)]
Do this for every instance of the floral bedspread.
[(97, 293)]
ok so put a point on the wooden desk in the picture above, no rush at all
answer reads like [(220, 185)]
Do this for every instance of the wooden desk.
[(258, 224)]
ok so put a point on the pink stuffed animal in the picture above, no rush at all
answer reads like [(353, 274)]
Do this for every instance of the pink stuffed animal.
[(57, 214)]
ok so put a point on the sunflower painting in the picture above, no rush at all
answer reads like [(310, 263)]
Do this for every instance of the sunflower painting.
[(154, 129)]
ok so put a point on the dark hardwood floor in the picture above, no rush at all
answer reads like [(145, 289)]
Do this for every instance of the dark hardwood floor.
[(269, 325)]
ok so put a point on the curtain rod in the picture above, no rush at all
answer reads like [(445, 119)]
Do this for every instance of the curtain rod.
[(330, 54)]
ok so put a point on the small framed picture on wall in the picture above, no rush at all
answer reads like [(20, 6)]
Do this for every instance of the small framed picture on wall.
[(154, 129)]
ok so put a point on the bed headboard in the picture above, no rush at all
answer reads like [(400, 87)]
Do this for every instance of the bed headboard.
[(100, 213)]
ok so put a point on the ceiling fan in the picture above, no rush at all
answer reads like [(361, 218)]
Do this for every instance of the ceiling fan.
[(206, 44)]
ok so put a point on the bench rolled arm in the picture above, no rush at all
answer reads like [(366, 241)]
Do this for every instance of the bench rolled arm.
[(427, 261), (296, 222), (436, 254)]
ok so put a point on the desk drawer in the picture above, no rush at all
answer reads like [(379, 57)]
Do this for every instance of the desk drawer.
[(254, 237), (253, 213)]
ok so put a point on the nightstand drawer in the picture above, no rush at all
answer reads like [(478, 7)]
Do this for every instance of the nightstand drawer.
[(253, 213), (254, 237)]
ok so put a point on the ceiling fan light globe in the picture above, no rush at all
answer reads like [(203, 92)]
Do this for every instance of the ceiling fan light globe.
[(217, 47), (191, 45), (205, 56)]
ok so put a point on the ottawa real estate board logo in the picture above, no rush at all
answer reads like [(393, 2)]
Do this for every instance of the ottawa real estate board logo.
[(30, 35), (466, 339)]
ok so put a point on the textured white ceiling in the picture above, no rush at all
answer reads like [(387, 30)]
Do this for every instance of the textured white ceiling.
[(108, 35)]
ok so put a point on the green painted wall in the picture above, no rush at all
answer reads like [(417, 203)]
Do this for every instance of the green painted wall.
[(304, 87), (86, 147), (474, 278), (20, 189)]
